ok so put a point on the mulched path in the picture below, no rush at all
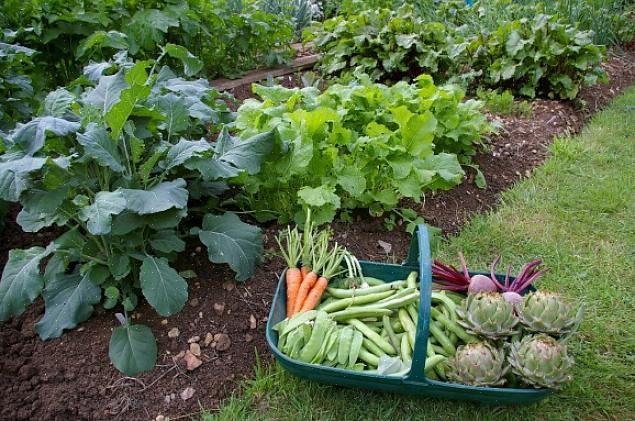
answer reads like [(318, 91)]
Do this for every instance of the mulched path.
[(70, 378)]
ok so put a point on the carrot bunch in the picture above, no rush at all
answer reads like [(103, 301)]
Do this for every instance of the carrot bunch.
[(320, 262)]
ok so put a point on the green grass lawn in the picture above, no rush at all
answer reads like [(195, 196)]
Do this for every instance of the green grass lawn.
[(577, 213)]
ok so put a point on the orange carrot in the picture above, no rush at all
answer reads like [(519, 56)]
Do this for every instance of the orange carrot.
[(307, 283), (305, 271), (291, 254), (315, 294), (294, 279)]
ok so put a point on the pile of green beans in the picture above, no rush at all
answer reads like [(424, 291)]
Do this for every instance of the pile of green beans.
[(354, 327)]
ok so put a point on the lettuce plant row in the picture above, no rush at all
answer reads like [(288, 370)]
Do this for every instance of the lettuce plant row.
[(360, 145)]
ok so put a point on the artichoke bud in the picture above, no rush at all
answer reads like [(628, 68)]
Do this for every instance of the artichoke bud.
[(488, 314)]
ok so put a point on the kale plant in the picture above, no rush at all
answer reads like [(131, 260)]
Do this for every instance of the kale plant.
[(114, 163)]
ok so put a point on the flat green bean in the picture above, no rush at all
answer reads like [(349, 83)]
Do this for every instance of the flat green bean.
[(431, 362), (372, 348), (368, 358), (357, 292), (373, 336), (406, 350), (391, 334), (359, 313), (411, 281), (408, 325), (443, 340), (396, 302), (339, 304), (345, 343), (452, 326)]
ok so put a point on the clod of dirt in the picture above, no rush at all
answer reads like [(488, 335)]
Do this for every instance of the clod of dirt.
[(252, 322), (195, 349), (219, 308), (173, 333), (387, 247), (187, 393), (228, 285), (194, 302), (193, 339), (178, 356), (209, 338), (248, 338), (222, 341), (192, 362)]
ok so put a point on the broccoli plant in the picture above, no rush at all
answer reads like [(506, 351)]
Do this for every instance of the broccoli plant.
[(115, 161)]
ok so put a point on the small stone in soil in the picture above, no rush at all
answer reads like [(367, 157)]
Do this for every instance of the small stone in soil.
[(194, 302), (248, 338), (198, 249), (219, 308), (192, 362), (252, 322), (228, 285), (387, 247), (162, 418), (173, 333), (222, 341), (178, 356), (193, 339), (187, 393), (209, 338), (164, 322), (195, 349)]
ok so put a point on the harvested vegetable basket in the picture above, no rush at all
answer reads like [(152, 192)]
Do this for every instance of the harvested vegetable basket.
[(415, 382)]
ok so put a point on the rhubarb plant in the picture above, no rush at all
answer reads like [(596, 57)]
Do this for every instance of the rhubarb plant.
[(114, 163)]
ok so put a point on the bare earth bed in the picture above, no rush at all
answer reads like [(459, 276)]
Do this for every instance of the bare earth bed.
[(70, 378)]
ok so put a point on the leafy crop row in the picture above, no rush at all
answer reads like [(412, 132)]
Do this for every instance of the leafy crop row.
[(115, 162), (542, 56), (361, 145), (230, 37)]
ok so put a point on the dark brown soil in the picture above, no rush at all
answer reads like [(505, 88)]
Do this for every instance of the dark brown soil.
[(70, 378)]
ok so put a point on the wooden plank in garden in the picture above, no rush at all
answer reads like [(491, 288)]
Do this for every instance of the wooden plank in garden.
[(300, 63)]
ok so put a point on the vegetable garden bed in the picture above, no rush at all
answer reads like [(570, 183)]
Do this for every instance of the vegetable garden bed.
[(71, 377)]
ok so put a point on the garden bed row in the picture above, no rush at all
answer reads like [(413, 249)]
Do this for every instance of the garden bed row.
[(226, 320)]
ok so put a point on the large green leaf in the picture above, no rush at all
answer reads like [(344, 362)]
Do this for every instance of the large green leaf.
[(163, 196), (233, 156), (58, 102), (167, 241), (99, 146), (183, 151), (136, 78), (101, 39), (14, 176), (40, 208), (191, 64), (176, 113), (107, 91), (146, 28), (162, 286), (99, 214), (21, 281), (419, 133), (231, 241), (132, 349), (69, 300), (30, 137)]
